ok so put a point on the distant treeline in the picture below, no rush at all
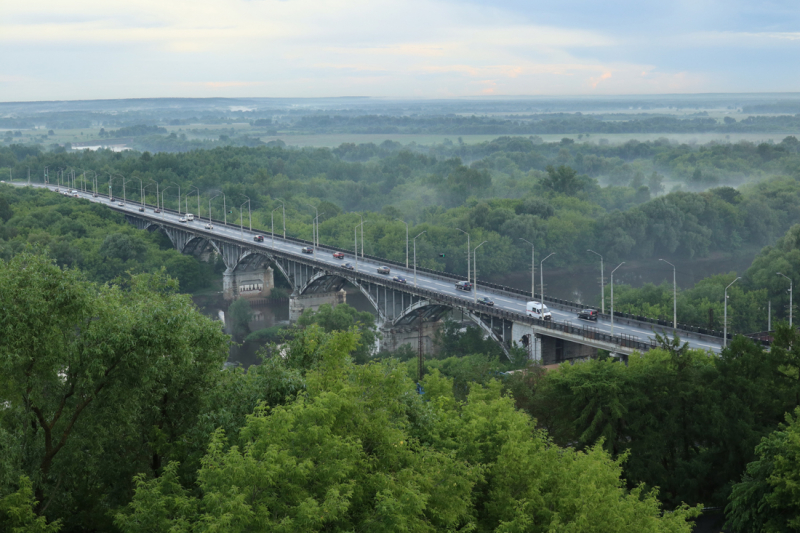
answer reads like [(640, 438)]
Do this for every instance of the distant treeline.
[(541, 124)]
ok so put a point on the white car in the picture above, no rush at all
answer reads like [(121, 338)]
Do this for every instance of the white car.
[(182, 219), (120, 204), (209, 226)]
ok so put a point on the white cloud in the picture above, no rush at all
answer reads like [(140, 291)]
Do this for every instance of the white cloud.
[(332, 47)]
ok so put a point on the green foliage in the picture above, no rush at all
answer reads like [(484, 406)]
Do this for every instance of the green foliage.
[(91, 368), (768, 497), (239, 316), (343, 318), (686, 422), (90, 237), (17, 512), (361, 451)]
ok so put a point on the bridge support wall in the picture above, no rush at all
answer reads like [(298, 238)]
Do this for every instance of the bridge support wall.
[(555, 351), (298, 304), (396, 336), (256, 283), (524, 337)]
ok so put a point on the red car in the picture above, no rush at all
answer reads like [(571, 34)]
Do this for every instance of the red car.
[(338, 255), (258, 238)]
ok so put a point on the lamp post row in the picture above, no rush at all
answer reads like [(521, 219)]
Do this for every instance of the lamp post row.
[(71, 178)]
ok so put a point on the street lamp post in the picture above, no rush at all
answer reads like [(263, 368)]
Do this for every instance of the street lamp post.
[(162, 199), (533, 267), (725, 323), (602, 284), (241, 224), (467, 234), (198, 200), (141, 190), (249, 213), (284, 216), (313, 230), (674, 298), (362, 235), (415, 257), (173, 184), (355, 238), (790, 297), (541, 277), (475, 271), (406, 223), (612, 297), (272, 218), (209, 207)]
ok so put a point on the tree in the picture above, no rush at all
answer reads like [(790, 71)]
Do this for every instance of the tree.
[(83, 361), (768, 496), (563, 180), (343, 318), (17, 512)]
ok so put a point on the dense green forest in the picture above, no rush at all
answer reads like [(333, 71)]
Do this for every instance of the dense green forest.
[(93, 238), (313, 440), (117, 416), (565, 197)]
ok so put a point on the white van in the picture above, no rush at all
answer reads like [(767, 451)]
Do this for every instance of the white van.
[(189, 217), (538, 310)]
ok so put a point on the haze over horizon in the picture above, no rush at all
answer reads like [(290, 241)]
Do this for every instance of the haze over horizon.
[(413, 49)]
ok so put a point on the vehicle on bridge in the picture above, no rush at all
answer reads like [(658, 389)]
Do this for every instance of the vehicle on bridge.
[(182, 219), (94, 195), (588, 314), (349, 266), (141, 209), (209, 226), (307, 250), (463, 285), (383, 270), (156, 210), (485, 300), (121, 204), (399, 279), (258, 238), (538, 310), (189, 217), (338, 255)]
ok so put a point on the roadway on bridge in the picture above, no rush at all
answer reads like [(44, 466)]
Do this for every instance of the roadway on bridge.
[(506, 302)]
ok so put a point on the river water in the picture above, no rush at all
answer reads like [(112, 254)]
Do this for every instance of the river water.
[(582, 286)]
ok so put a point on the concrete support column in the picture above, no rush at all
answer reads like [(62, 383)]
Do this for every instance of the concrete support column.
[(524, 337), (247, 284), (556, 351), (396, 336), (298, 304)]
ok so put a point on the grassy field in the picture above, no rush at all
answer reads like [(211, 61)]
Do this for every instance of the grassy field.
[(213, 131)]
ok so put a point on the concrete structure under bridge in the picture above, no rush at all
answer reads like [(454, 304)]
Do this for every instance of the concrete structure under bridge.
[(401, 307)]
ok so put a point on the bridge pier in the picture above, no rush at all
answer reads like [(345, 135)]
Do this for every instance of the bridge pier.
[(257, 283), (298, 304), (396, 336), (555, 351), (524, 337)]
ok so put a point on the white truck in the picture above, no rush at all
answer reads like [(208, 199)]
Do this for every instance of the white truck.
[(538, 310), (189, 217)]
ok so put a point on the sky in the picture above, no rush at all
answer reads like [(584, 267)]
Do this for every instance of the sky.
[(96, 49)]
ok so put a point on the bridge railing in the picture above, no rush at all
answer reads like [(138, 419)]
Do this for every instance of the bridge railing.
[(586, 332), (621, 340)]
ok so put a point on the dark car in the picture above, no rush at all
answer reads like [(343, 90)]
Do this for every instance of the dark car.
[(94, 195), (464, 285), (588, 314), (349, 266), (383, 270), (486, 301), (141, 209), (338, 255), (258, 238), (156, 210), (399, 279), (307, 250)]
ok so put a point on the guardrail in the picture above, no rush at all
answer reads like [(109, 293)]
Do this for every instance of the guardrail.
[(584, 331)]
